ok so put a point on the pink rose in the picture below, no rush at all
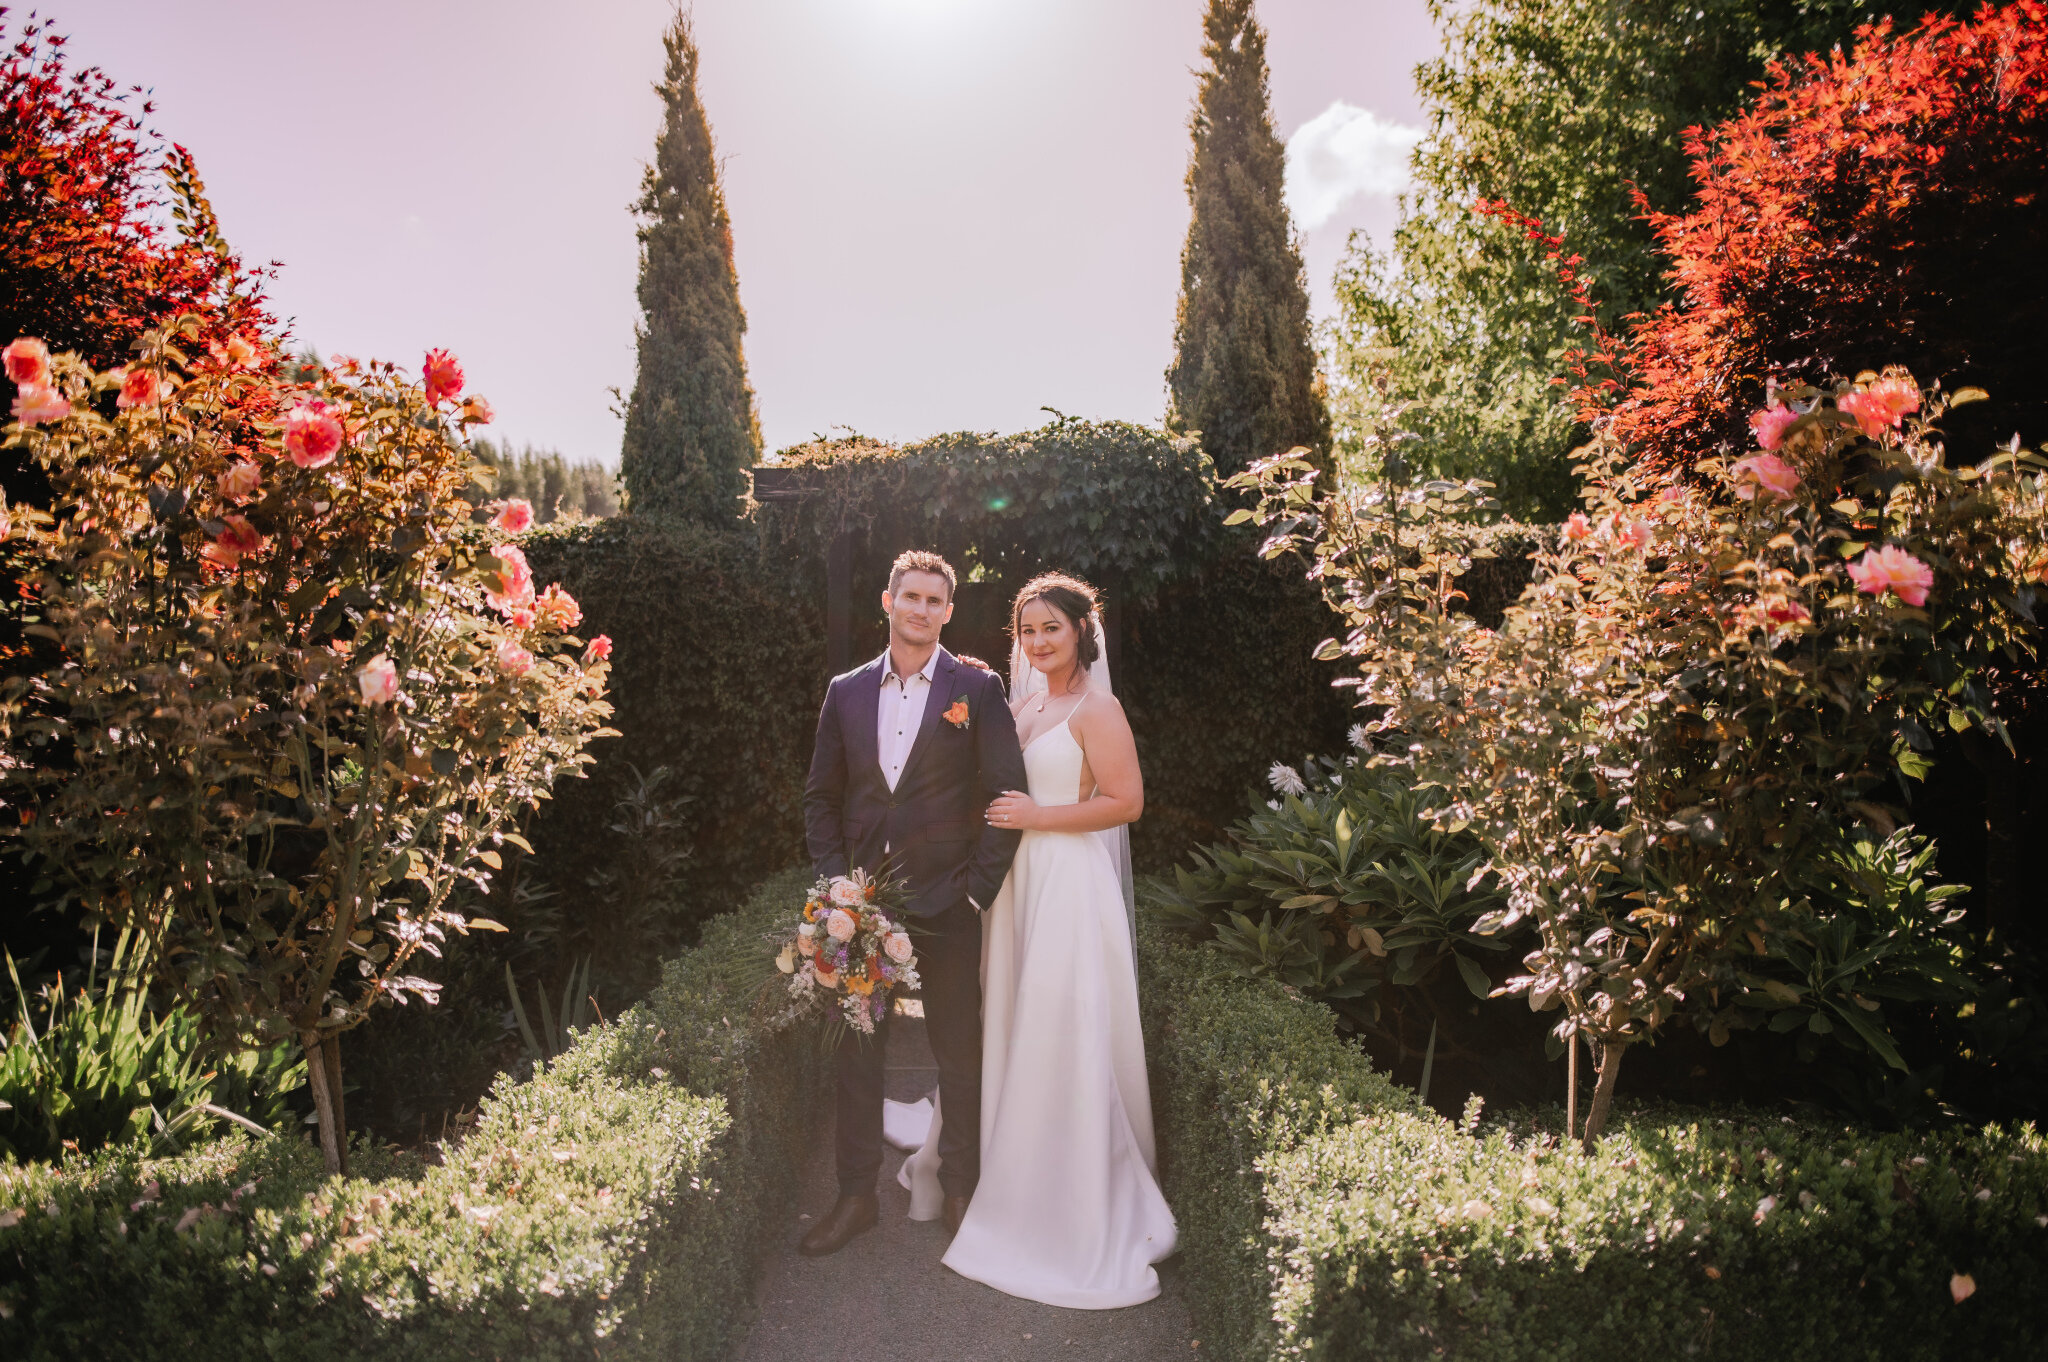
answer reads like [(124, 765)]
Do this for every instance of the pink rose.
[(1881, 406), (599, 649), (237, 539), (311, 434), (840, 925), (1781, 611), (514, 660), (514, 517), (443, 374), (1767, 472), (558, 610), (476, 412), (1577, 528), (846, 893), (240, 482), (1634, 534), (1892, 569), (827, 976), (1771, 423), (33, 406), (509, 586), (241, 353), (140, 388), (28, 362), (378, 680), (898, 947)]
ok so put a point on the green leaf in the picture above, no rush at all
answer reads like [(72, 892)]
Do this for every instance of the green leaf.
[(1475, 977)]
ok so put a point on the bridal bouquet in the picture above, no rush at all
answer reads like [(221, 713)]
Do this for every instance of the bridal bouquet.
[(849, 952)]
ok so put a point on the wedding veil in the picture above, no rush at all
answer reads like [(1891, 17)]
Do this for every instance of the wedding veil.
[(1024, 680)]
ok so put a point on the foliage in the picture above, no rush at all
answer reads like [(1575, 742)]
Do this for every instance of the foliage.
[(1323, 1213), (98, 1067), (717, 681), (691, 431), (554, 1036), (1243, 372), (612, 1206), (1345, 889), (1660, 745), (104, 231), (555, 487), (1568, 111), (1874, 207), (294, 716), (1117, 503)]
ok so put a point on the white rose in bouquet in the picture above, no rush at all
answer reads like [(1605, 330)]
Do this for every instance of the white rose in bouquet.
[(841, 925), (847, 894), (898, 947)]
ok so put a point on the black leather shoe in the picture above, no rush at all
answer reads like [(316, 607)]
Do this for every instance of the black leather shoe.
[(854, 1215), (956, 1211)]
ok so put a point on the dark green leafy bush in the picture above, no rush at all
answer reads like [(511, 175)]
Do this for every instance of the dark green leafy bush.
[(1343, 888), (1324, 1214), (611, 1206)]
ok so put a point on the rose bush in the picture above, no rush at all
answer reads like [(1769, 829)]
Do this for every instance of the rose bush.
[(278, 736), (1667, 743)]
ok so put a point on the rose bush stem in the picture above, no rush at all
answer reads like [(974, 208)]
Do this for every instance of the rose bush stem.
[(1611, 1052)]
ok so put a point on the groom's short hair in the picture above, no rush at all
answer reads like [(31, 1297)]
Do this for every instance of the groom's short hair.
[(921, 560)]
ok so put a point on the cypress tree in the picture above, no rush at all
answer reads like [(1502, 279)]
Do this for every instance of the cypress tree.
[(691, 431), (1244, 373)]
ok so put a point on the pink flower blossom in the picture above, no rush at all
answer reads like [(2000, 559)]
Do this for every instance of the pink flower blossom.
[(240, 482), (476, 412), (522, 616), (443, 374), (1892, 569), (514, 660), (237, 539), (140, 388), (558, 610), (899, 948), (1765, 472), (1781, 611), (311, 434), (33, 406), (509, 586), (1771, 423), (598, 649), (28, 362), (1634, 534), (378, 680), (514, 517), (840, 925), (1577, 528), (241, 353), (1882, 405)]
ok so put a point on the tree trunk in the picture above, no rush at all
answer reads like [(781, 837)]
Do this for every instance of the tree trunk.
[(1571, 1088), (1603, 1092), (326, 1102)]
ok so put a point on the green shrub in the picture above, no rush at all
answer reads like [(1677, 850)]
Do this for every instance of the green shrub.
[(1324, 1214), (612, 1205), (1343, 888)]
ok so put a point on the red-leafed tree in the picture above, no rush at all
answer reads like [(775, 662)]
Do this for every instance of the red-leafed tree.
[(1884, 205), (105, 230)]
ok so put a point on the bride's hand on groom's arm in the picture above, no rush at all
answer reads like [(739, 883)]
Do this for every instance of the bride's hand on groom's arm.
[(1013, 811)]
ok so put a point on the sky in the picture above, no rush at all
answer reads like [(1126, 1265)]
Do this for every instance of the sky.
[(947, 214)]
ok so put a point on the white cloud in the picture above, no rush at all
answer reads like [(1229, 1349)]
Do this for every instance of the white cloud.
[(1342, 152)]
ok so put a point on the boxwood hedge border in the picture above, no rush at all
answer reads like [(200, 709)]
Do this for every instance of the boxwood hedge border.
[(614, 1205)]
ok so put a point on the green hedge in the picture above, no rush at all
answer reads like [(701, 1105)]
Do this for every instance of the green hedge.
[(611, 1206), (1324, 1213)]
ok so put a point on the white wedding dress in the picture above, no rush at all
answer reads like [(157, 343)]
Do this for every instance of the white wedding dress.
[(1068, 1210)]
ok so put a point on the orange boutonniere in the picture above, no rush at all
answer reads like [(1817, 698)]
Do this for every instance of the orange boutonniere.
[(957, 714)]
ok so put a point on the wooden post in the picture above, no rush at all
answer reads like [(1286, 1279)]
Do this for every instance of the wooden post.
[(839, 603)]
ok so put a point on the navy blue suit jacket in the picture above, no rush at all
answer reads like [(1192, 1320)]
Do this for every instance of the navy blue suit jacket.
[(932, 824)]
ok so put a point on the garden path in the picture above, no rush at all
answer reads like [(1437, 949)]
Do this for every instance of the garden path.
[(886, 1298)]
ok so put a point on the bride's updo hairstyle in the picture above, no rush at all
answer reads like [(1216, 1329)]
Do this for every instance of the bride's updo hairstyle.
[(1075, 600)]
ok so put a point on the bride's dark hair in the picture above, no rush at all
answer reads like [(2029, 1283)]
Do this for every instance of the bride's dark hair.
[(1074, 599)]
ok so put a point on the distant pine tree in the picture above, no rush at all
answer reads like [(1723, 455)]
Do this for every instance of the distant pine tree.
[(691, 431), (1244, 372)]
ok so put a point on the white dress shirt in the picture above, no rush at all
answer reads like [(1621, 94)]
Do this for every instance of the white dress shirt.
[(900, 713)]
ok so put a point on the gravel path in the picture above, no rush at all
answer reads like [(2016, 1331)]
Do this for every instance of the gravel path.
[(886, 1298)]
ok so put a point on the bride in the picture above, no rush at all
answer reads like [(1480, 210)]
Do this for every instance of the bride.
[(1068, 1210)]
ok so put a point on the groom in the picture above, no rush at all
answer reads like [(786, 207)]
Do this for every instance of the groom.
[(910, 750)]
